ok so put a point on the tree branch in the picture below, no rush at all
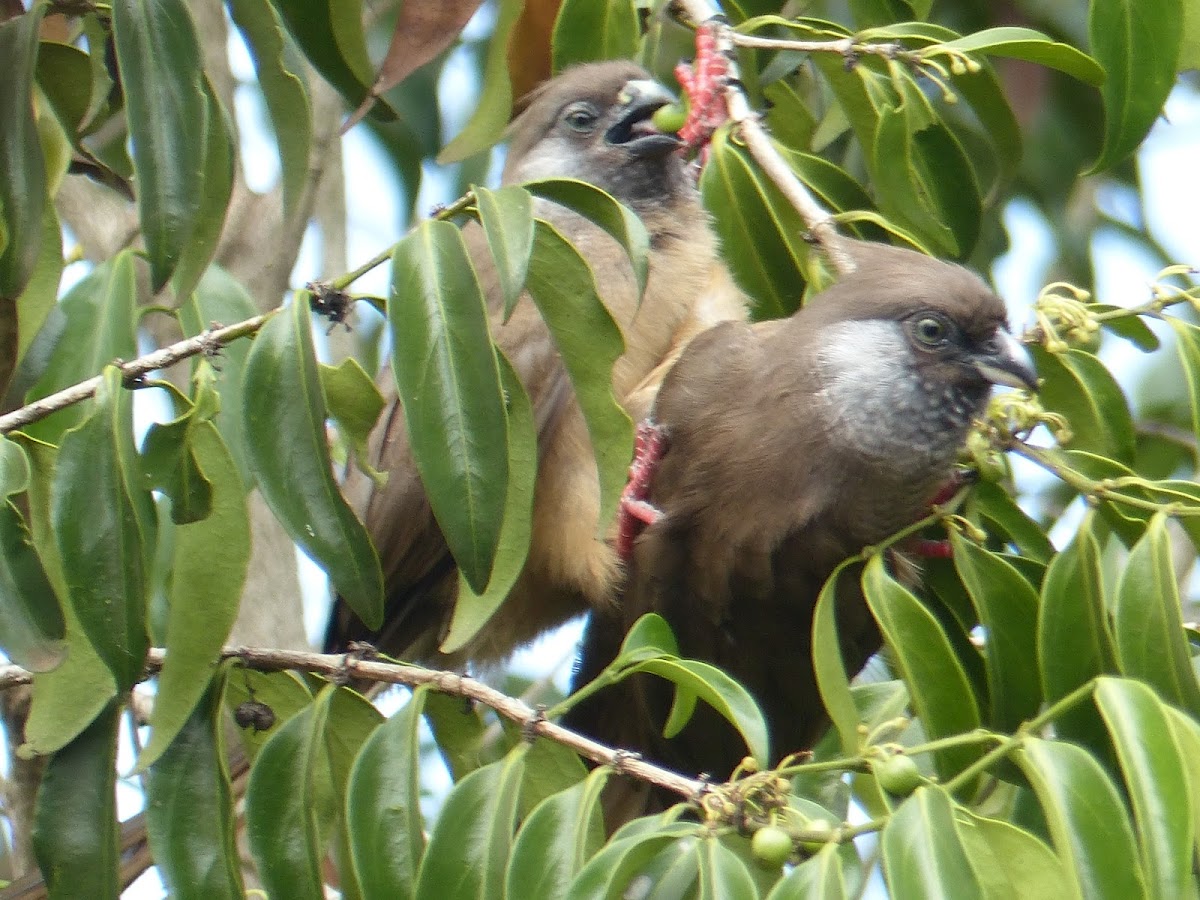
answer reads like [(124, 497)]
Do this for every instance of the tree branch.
[(208, 342)]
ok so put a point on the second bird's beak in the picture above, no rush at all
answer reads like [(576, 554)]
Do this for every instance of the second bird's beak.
[(633, 129), (1006, 362)]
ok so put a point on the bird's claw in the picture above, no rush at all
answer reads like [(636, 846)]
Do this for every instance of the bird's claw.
[(704, 81), (635, 511)]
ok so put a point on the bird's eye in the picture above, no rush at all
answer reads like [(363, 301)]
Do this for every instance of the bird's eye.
[(930, 330), (581, 117)]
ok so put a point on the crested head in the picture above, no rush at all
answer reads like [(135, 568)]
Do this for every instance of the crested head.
[(592, 122), (908, 349)]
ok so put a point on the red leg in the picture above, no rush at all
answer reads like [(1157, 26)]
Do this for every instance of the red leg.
[(635, 512)]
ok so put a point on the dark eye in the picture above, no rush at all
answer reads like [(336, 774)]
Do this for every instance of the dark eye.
[(581, 116), (930, 330)]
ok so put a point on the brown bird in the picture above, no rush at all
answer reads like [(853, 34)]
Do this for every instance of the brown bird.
[(590, 123), (791, 445)]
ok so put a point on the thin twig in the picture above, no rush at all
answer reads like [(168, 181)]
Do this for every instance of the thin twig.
[(207, 342), (818, 219)]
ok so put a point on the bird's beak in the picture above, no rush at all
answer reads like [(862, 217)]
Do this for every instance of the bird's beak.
[(633, 129), (1006, 362)]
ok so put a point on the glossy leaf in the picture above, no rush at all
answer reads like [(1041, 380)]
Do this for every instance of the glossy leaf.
[(1147, 624), (506, 216), (208, 570), (609, 872), (354, 403), (31, 620), (40, 296), (472, 611), (588, 30), (1156, 779), (216, 188), (832, 680), (561, 834), (93, 325), (23, 188), (472, 839), (1031, 46), (67, 699), (102, 514), (281, 810), (163, 80), (1074, 615), (1077, 385), (1137, 44), (998, 508), (605, 211), (819, 876), (564, 289), (383, 812), (1086, 817), (283, 422), (1187, 341), (487, 123), (286, 694), (284, 90), (1132, 328), (190, 818), (75, 821), (722, 872), (1008, 610), (449, 382), (941, 695), (459, 732), (1009, 861), (219, 297), (765, 261), (170, 467), (923, 857)]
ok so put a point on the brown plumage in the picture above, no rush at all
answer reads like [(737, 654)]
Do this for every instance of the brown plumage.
[(590, 124), (792, 445)]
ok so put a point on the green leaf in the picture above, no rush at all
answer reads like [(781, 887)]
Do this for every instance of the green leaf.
[(1008, 610), (832, 680), (819, 876), (564, 289), (650, 633), (507, 219), (189, 810), (449, 383), (1137, 44), (486, 125), (941, 694), (97, 325), (458, 731), (561, 834), (283, 422), (1031, 46), (761, 239), (999, 509), (1132, 328), (284, 90), (1156, 779), (75, 821), (330, 33), (67, 699), (722, 873), (216, 187), (1008, 861), (31, 620), (170, 467), (208, 570), (628, 853), (101, 515), (923, 856), (1186, 732), (1080, 387), (472, 611), (589, 30), (1147, 624), (354, 402), (219, 297), (1074, 615), (38, 299), (383, 811), (1087, 820), (286, 694), (471, 841), (23, 187), (1189, 49), (282, 809), (1187, 341), (604, 210), (163, 79)]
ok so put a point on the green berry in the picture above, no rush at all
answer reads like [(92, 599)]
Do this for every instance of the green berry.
[(897, 774), (771, 847), (670, 118)]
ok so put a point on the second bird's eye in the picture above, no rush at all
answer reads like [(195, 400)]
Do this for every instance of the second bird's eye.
[(930, 330), (580, 116)]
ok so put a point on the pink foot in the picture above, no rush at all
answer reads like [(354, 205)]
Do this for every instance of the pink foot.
[(635, 512), (704, 81)]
